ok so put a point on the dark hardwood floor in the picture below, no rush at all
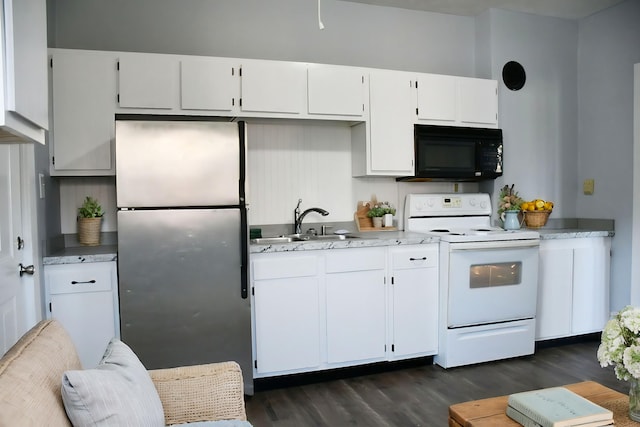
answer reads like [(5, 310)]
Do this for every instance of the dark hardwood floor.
[(418, 395)]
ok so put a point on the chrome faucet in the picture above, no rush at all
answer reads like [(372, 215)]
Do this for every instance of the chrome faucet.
[(298, 217)]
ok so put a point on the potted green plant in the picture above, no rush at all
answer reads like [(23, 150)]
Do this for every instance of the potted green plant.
[(376, 213), (89, 222), (389, 212)]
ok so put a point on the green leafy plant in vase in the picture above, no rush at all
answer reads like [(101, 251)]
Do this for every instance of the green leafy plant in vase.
[(89, 222)]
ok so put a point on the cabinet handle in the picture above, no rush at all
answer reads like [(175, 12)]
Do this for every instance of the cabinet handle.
[(424, 258), (75, 282)]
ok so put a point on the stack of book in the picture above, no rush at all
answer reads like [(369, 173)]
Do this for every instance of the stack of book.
[(556, 407)]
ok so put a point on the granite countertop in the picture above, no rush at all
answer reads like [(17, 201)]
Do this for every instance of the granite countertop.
[(572, 233), (109, 251), (82, 254), (359, 240)]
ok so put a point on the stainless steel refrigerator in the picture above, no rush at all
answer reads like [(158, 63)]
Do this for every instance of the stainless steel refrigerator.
[(182, 242)]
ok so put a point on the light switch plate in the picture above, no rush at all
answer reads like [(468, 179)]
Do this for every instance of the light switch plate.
[(587, 186)]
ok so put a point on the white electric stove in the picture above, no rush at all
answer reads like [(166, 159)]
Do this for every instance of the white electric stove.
[(488, 278)]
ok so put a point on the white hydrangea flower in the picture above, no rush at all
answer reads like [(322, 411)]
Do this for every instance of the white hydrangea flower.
[(620, 344), (631, 360)]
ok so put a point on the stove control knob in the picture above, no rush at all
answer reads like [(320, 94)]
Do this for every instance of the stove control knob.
[(483, 204), (472, 202), (430, 202)]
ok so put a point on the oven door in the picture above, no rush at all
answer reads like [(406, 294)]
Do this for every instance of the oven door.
[(491, 282)]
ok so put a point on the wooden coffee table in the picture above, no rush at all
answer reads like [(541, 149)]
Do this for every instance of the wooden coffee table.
[(491, 412)]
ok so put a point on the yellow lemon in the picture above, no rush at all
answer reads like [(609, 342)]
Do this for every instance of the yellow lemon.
[(539, 204), (548, 206)]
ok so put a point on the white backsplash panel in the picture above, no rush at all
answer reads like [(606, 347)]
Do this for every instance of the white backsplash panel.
[(287, 162), (72, 194)]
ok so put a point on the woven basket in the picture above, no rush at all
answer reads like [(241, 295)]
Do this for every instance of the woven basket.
[(89, 231), (536, 219)]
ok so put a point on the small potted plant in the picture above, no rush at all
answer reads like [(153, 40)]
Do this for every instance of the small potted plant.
[(389, 212), (89, 222), (376, 213)]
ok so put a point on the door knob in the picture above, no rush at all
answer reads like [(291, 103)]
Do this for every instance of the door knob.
[(29, 269)]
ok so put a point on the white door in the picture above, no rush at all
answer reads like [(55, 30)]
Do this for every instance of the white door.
[(16, 306)]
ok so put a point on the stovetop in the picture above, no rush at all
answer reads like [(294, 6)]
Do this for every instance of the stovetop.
[(460, 217)]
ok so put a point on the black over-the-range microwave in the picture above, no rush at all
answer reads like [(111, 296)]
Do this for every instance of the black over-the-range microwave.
[(447, 153)]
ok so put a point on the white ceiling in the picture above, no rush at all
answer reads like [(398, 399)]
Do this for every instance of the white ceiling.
[(569, 9)]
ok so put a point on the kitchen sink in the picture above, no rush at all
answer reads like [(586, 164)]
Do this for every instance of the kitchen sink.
[(298, 238), (271, 240), (308, 237)]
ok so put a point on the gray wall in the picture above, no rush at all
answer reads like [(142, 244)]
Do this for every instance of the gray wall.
[(354, 34), (539, 121), (571, 121), (609, 45)]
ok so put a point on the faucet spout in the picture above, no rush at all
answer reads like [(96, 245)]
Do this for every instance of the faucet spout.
[(298, 217)]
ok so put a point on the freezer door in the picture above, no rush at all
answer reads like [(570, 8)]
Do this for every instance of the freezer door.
[(179, 287), (177, 163)]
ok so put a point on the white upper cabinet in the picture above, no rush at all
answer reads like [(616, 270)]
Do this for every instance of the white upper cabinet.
[(384, 145), (335, 90), (274, 87), (24, 112), (436, 98), (209, 84), (478, 101), (456, 101), (83, 87), (148, 81)]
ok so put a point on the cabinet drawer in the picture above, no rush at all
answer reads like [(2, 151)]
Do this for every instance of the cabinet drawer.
[(339, 261), (64, 279), (403, 258), (280, 267)]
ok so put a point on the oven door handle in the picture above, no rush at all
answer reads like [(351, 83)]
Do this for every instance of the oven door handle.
[(489, 245)]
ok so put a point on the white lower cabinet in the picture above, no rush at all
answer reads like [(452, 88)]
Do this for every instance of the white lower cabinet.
[(355, 306), (414, 296), (325, 309), (286, 312), (573, 287), (83, 297)]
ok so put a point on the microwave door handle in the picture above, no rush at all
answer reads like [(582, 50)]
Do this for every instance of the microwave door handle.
[(494, 245)]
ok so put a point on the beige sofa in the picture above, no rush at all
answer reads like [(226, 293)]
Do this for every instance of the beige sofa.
[(31, 373)]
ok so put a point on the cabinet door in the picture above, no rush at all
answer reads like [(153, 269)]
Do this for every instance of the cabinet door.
[(287, 324), (414, 287), (355, 305), (148, 81), (390, 149), (590, 285), (25, 35), (555, 283), (436, 98), (334, 90), (273, 87), (82, 297), (83, 89), (478, 101), (355, 316), (209, 84), (286, 311)]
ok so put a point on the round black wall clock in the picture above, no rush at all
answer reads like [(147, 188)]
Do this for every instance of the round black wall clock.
[(513, 75)]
